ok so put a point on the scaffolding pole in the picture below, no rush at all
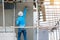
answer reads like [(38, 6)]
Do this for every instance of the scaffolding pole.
[(3, 16)]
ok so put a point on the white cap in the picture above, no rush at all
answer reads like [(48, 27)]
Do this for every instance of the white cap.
[(20, 13)]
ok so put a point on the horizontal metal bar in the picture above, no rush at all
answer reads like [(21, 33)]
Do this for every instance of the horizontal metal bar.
[(48, 19), (20, 27), (39, 1), (17, 2), (24, 27), (51, 15), (31, 1), (47, 1), (47, 27), (51, 5), (52, 12), (52, 8), (7, 32)]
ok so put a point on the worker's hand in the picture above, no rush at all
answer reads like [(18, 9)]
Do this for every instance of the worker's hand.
[(26, 7)]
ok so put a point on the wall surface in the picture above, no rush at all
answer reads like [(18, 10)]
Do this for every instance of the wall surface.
[(9, 18), (1, 16), (29, 15)]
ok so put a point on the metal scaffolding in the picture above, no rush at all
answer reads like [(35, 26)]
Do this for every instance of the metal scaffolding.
[(54, 33)]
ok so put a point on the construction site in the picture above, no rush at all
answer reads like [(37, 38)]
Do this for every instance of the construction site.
[(29, 19)]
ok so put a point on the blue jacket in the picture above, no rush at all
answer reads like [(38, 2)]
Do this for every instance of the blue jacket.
[(20, 21)]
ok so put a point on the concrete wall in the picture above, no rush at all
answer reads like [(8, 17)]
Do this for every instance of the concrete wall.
[(9, 18), (1, 16), (29, 16), (9, 14)]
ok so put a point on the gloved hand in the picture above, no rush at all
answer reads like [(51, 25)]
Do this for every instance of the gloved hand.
[(26, 7)]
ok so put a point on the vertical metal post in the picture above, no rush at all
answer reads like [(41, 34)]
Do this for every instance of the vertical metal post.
[(3, 15), (57, 31), (49, 35), (14, 16), (37, 20)]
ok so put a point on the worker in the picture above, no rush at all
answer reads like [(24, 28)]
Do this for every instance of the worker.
[(20, 21)]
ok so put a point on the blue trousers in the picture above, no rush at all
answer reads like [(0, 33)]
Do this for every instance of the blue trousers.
[(22, 30)]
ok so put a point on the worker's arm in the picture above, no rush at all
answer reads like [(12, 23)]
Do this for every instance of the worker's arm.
[(17, 22), (25, 11)]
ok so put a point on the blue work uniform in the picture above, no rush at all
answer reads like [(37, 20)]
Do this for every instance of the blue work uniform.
[(20, 21)]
